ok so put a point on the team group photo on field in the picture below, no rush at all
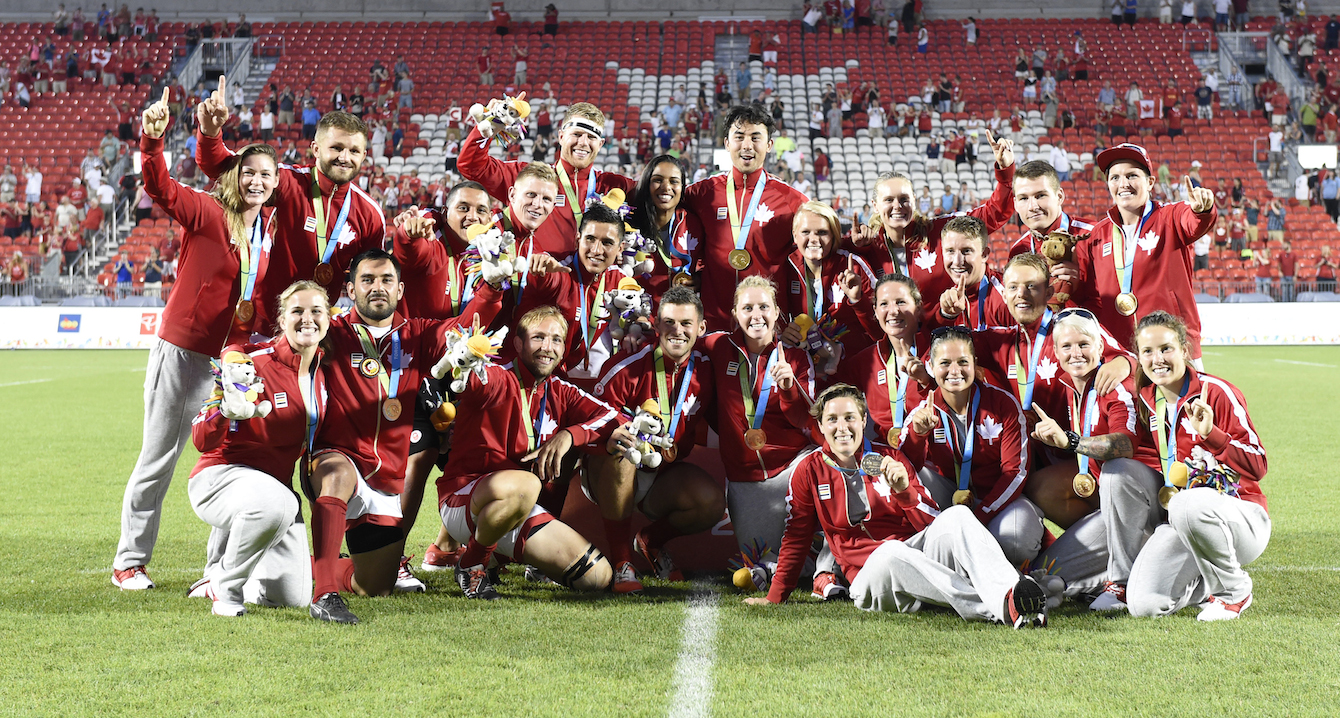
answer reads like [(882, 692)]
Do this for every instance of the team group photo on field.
[(860, 356)]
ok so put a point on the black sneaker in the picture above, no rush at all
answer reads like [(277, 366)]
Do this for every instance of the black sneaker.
[(330, 607), (474, 582), (1026, 604)]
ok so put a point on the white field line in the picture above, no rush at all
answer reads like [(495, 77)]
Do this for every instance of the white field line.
[(1295, 569), (697, 656), (21, 383), (1305, 363)]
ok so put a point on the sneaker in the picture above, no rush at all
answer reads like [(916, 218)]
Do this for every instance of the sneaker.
[(1218, 610), (1026, 604), (1113, 598), (405, 580), (330, 607), (474, 582), (199, 589), (827, 588), (219, 607), (435, 559), (1052, 585), (534, 575), (661, 565), (135, 578), (625, 580)]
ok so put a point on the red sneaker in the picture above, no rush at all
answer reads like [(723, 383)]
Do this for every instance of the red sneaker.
[(660, 561), (1113, 598), (1218, 610), (135, 578), (827, 588), (435, 559), (625, 580)]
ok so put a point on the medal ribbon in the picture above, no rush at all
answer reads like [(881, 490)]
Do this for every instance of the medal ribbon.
[(1165, 429), (893, 256), (390, 384), (1086, 415), (577, 205), (670, 414), (983, 288), (453, 287), (754, 413), (246, 255), (311, 403), (1126, 270), (684, 259), (586, 316), (326, 243), (896, 381), (1035, 352), (966, 449), (740, 230), (533, 425)]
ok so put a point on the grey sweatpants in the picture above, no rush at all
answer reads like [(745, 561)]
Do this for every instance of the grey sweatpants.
[(1018, 527), (758, 511), (1199, 553), (1128, 497), (265, 557), (954, 562), (1079, 556), (176, 383)]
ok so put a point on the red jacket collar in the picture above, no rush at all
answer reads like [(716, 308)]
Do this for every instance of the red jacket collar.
[(284, 354), (1193, 389), (743, 182)]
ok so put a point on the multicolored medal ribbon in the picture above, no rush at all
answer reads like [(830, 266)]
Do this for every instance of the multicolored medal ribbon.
[(533, 424), (391, 407), (965, 449), (754, 437), (671, 413), (739, 257), (1164, 427)]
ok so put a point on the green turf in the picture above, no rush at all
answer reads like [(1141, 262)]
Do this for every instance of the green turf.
[(74, 645)]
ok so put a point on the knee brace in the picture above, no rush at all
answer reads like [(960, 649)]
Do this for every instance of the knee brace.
[(580, 574)]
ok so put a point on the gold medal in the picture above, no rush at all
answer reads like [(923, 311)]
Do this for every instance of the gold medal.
[(893, 436), (1084, 485), (324, 273), (871, 464), (755, 439), (1177, 474), (1126, 304), (739, 259), (670, 453), (370, 367), (391, 409), (683, 279), (962, 497), (1166, 494), (245, 311)]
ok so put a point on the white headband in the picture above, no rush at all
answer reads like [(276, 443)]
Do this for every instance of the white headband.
[(582, 123)]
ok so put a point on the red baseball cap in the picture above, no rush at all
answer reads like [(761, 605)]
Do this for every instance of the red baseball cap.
[(1125, 152)]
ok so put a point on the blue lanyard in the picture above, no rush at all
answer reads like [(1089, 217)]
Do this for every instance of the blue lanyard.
[(753, 205), (765, 392), (983, 288), (334, 237), (313, 406), (1033, 355), (1087, 422), (969, 442), (254, 259), (1126, 270), (683, 392), (395, 365)]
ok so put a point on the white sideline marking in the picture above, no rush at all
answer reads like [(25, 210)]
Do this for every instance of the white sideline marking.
[(1305, 363), (1297, 569), (30, 381), (697, 656)]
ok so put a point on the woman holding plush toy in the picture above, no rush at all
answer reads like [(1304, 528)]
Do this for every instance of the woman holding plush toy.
[(242, 484), (225, 249)]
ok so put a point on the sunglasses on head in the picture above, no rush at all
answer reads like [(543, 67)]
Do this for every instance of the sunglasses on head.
[(1077, 312), (952, 331)]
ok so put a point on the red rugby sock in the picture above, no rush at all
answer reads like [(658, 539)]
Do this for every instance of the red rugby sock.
[(328, 516), (618, 532), (659, 532), (476, 554)]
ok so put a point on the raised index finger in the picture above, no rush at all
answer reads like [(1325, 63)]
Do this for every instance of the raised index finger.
[(1187, 179), (1041, 414), (223, 86), (166, 92)]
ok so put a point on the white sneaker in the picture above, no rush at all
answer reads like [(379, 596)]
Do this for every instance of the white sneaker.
[(1113, 598), (135, 578), (1220, 611), (406, 581), (228, 610), (199, 589)]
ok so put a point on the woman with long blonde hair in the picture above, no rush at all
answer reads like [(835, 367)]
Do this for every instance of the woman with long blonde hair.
[(225, 248)]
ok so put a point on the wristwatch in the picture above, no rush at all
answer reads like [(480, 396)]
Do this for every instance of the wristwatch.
[(1073, 438)]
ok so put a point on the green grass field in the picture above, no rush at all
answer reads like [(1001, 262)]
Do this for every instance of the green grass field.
[(74, 645)]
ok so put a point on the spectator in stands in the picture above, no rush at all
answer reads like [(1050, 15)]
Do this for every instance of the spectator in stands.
[(1221, 15), (1107, 95), (485, 64), (1325, 270), (405, 87), (1188, 11), (1275, 214), (310, 116), (1288, 264), (92, 222), (1132, 11), (821, 165), (397, 139), (1263, 273), (106, 199), (743, 78), (1118, 10), (502, 20), (1276, 136), (339, 100), (1333, 33), (1307, 48), (1308, 115), (1165, 12), (32, 190), (154, 269), (8, 183), (291, 154), (17, 268), (923, 39), (550, 20), (1201, 251), (243, 28), (1302, 192), (286, 104), (67, 214), (1060, 160)]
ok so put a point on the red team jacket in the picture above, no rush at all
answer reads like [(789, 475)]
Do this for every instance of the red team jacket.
[(1116, 415), (201, 309), (785, 421), (490, 422), (868, 372), (1233, 441), (559, 232), (1028, 242), (686, 234), (858, 318), (630, 379), (769, 242), (1000, 453), (565, 290), (432, 270), (295, 253), (924, 264), (818, 498), (976, 316), (1162, 275), (355, 425), (272, 444)]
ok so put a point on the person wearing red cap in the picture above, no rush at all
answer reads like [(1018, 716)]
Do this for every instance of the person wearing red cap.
[(1138, 258)]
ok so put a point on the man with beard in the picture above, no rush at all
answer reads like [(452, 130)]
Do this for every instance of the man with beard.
[(579, 140), (521, 424), (373, 368), (324, 219)]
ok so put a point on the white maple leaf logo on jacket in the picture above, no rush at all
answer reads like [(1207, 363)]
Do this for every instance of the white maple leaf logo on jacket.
[(689, 243), (689, 406), (1148, 242), (989, 430), (925, 260), (347, 236), (763, 214), (1189, 428), (548, 427), (1047, 370)]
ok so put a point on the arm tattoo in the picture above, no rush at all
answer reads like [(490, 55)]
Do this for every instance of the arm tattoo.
[(1106, 447)]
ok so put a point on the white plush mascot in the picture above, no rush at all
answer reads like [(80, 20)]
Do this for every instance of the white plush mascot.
[(629, 308), (236, 388), (502, 120), (493, 254), (467, 353), (647, 427)]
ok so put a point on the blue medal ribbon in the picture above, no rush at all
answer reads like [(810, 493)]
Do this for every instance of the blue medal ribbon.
[(313, 406), (966, 449), (743, 232), (1088, 418), (1026, 388), (252, 266), (983, 287), (1125, 269), (683, 392), (394, 388)]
